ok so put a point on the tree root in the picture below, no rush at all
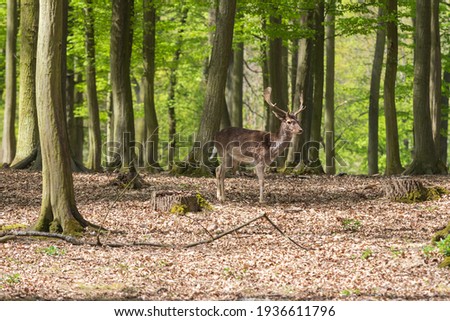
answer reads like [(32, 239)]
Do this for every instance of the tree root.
[(11, 235)]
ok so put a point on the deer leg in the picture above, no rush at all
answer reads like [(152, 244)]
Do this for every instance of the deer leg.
[(220, 175), (260, 173)]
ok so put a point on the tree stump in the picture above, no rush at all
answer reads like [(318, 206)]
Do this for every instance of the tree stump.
[(411, 191), (177, 202)]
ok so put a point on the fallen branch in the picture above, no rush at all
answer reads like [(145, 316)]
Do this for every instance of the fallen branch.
[(6, 236)]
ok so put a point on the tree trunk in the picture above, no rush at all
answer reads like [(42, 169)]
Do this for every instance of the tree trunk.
[(393, 165), (95, 145), (426, 160), (435, 75), (444, 119), (151, 120), (303, 93), (377, 66), (236, 86), (120, 58), (58, 210), (215, 89), (172, 86), (314, 164), (28, 138), (9, 137), (330, 166)]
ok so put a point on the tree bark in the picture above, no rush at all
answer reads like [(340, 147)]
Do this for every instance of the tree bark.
[(314, 164), (95, 145), (151, 120), (9, 137), (393, 165), (377, 66), (120, 59), (330, 164), (215, 90), (58, 210), (236, 86), (435, 75), (28, 138), (426, 160), (444, 119)]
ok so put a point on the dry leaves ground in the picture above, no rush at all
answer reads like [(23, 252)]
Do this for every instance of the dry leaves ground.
[(363, 246)]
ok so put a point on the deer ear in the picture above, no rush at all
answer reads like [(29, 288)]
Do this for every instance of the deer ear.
[(278, 116)]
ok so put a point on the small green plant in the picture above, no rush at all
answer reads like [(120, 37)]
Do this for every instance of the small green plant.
[(53, 251), (396, 252), (444, 246), (348, 292), (11, 278), (366, 254), (428, 249), (351, 225)]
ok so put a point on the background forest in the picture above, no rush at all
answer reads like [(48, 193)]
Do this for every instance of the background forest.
[(262, 30)]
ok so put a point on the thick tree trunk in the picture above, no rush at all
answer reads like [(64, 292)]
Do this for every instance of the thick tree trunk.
[(330, 164), (120, 57), (377, 66), (58, 210), (28, 138), (151, 120), (9, 137), (426, 160), (393, 165), (95, 145), (215, 90)]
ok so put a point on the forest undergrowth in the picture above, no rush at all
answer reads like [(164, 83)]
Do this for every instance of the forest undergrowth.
[(361, 245)]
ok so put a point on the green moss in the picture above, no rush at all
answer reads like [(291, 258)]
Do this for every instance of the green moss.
[(445, 263), (203, 203), (12, 227), (179, 209), (427, 194)]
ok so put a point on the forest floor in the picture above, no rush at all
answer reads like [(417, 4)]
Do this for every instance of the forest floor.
[(362, 246)]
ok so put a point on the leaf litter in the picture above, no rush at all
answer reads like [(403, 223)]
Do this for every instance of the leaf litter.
[(362, 246)]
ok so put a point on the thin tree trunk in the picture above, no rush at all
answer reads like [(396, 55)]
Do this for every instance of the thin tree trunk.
[(9, 137), (95, 145), (28, 138), (444, 119), (377, 66), (237, 76), (330, 166), (393, 165), (314, 163), (151, 120)]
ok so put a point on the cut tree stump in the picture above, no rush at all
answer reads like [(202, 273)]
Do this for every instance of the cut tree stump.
[(177, 202), (408, 190)]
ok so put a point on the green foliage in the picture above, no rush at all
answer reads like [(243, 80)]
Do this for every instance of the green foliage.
[(203, 203), (179, 209), (52, 250), (444, 246), (366, 254), (351, 225), (11, 279)]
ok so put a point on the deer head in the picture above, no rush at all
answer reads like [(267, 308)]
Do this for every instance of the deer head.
[(289, 121)]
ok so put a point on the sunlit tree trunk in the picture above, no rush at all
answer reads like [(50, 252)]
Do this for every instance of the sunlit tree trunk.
[(235, 92), (9, 137), (95, 144), (58, 210), (435, 75), (28, 138), (377, 66)]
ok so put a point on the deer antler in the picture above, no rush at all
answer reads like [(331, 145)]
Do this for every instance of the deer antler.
[(302, 107), (267, 93)]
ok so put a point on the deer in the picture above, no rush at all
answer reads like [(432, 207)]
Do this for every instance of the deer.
[(236, 145)]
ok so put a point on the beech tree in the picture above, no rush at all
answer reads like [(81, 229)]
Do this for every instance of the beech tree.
[(58, 209)]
